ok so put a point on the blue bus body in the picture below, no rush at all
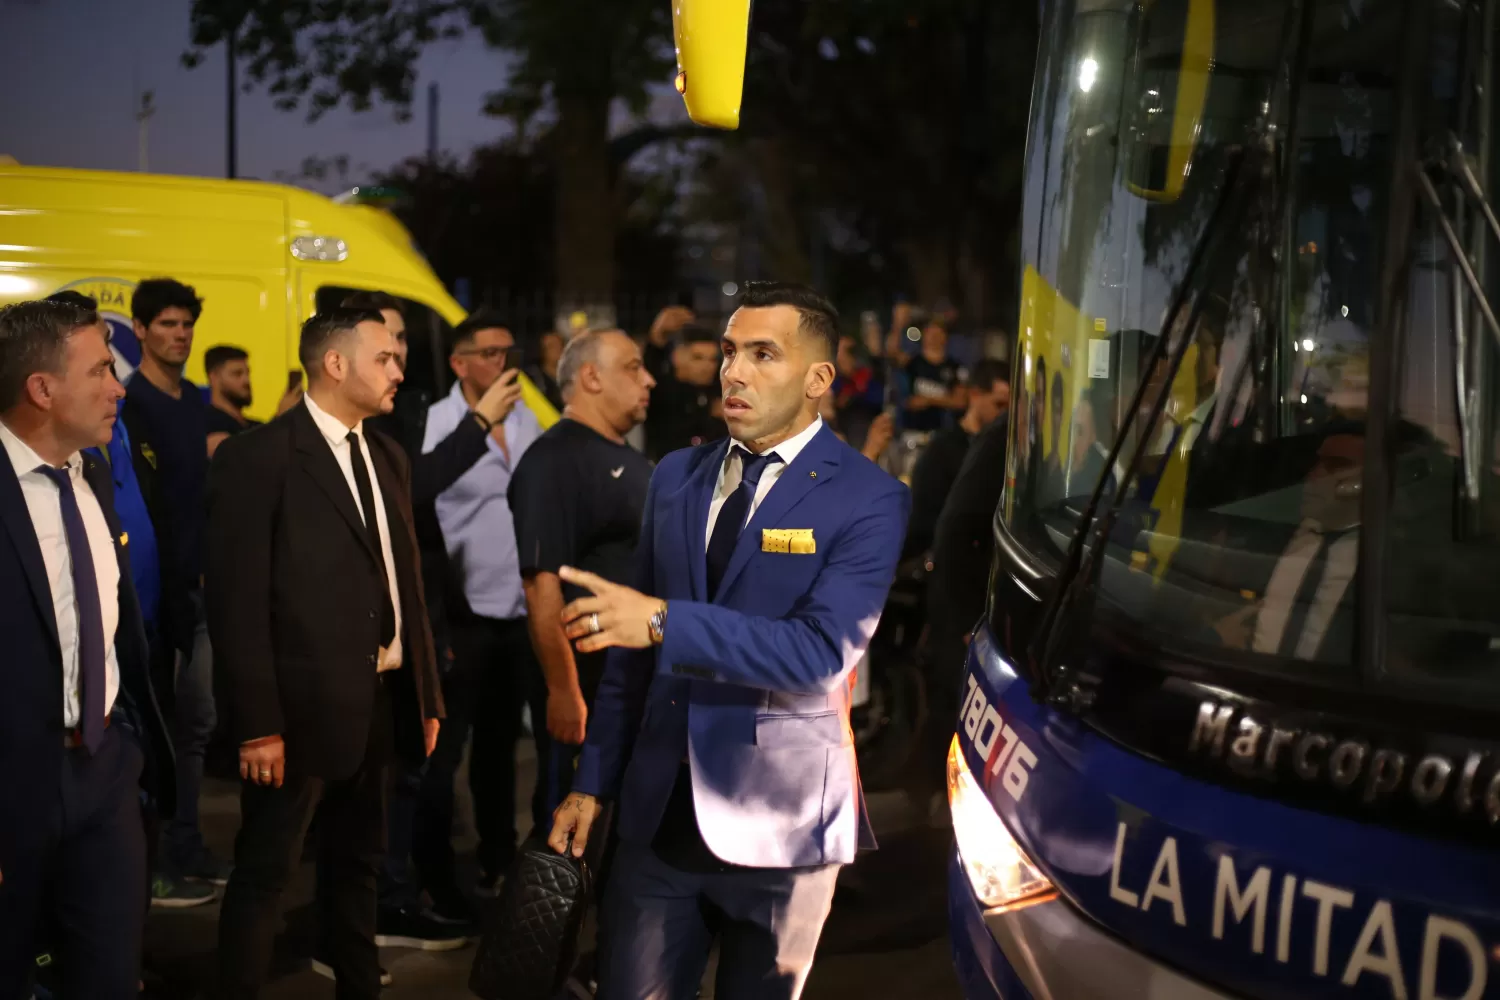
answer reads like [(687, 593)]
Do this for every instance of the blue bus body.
[(1258, 758), (1169, 886)]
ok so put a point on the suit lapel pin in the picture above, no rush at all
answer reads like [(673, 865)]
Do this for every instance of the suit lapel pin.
[(812, 475), (124, 538)]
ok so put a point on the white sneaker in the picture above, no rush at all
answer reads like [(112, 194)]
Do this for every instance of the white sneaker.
[(326, 971)]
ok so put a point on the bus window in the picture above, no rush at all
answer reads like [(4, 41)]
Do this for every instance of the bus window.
[(1443, 542), (1239, 534)]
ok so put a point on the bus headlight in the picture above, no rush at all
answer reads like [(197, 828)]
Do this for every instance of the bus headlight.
[(999, 871)]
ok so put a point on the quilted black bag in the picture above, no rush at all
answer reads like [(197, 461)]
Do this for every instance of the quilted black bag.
[(529, 949)]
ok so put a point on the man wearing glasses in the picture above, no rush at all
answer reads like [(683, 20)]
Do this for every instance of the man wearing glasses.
[(495, 671)]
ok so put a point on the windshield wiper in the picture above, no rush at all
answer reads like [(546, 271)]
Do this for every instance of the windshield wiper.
[(1219, 247)]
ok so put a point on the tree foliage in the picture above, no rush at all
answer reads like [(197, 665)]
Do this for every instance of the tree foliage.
[(317, 55), (895, 130), (563, 62), (880, 152)]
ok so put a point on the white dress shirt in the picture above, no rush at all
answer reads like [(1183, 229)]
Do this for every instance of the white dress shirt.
[(729, 475), (1286, 580), (336, 434), (44, 501)]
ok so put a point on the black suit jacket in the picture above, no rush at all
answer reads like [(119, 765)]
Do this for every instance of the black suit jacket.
[(438, 469), (963, 545), (294, 586), (432, 473), (31, 707)]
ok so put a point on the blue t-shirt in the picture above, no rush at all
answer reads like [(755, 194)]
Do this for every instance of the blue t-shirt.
[(176, 432), (135, 521)]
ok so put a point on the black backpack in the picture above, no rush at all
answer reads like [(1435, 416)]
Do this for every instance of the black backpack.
[(529, 949)]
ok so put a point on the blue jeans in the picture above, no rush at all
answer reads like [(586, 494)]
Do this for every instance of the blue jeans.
[(192, 728)]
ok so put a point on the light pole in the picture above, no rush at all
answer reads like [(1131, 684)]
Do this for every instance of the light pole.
[(143, 118), (230, 124)]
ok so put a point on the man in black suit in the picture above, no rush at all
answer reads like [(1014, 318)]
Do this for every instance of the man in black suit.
[(79, 724), (1305, 610), (315, 597)]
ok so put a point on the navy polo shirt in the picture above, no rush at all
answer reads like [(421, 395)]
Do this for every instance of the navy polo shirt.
[(177, 436)]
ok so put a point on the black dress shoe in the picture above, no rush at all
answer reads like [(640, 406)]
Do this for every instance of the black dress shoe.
[(414, 927), (456, 908)]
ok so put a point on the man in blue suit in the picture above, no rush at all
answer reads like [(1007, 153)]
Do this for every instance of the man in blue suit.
[(721, 725), (79, 724)]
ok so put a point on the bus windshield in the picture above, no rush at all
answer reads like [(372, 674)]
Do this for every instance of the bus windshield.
[(1239, 535)]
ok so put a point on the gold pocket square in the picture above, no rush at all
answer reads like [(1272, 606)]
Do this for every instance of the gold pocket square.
[(796, 541)]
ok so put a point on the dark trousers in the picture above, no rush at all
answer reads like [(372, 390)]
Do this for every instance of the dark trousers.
[(398, 880), (351, 829), (495, 673), (657, 924), (194, 719), (76, 864)]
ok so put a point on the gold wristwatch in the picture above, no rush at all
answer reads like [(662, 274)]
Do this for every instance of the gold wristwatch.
[(658, 625)]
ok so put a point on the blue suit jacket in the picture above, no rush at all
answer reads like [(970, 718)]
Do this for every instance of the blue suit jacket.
[(31, 696), (754, 687)]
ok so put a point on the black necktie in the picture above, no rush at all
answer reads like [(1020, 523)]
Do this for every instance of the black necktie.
[(372, 528), (90, 617), (732, 517), (1307, 594)]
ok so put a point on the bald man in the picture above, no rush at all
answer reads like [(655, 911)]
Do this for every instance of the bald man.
[(577, 498)]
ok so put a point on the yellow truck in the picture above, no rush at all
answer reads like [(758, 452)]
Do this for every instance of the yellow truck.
[(263, 257)]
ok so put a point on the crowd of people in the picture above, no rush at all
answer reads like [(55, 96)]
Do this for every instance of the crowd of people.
[(374, 581)]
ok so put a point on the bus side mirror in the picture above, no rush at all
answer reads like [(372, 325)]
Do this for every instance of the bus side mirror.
[(1163, 149), (712, 36)]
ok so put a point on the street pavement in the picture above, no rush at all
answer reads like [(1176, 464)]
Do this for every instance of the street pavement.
[(886, 937)]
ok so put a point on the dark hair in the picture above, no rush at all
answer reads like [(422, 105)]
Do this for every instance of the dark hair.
[(465, 332), (373, 302), (217, 357), (74, 298), (155, 296), (984, 375), (1057, 389), (819, 319), (323, 329), (32, 338), (697, 333)]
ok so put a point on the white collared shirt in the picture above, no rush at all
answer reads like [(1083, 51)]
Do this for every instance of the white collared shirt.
[(787, 451), (44, 502), (336, 434)]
